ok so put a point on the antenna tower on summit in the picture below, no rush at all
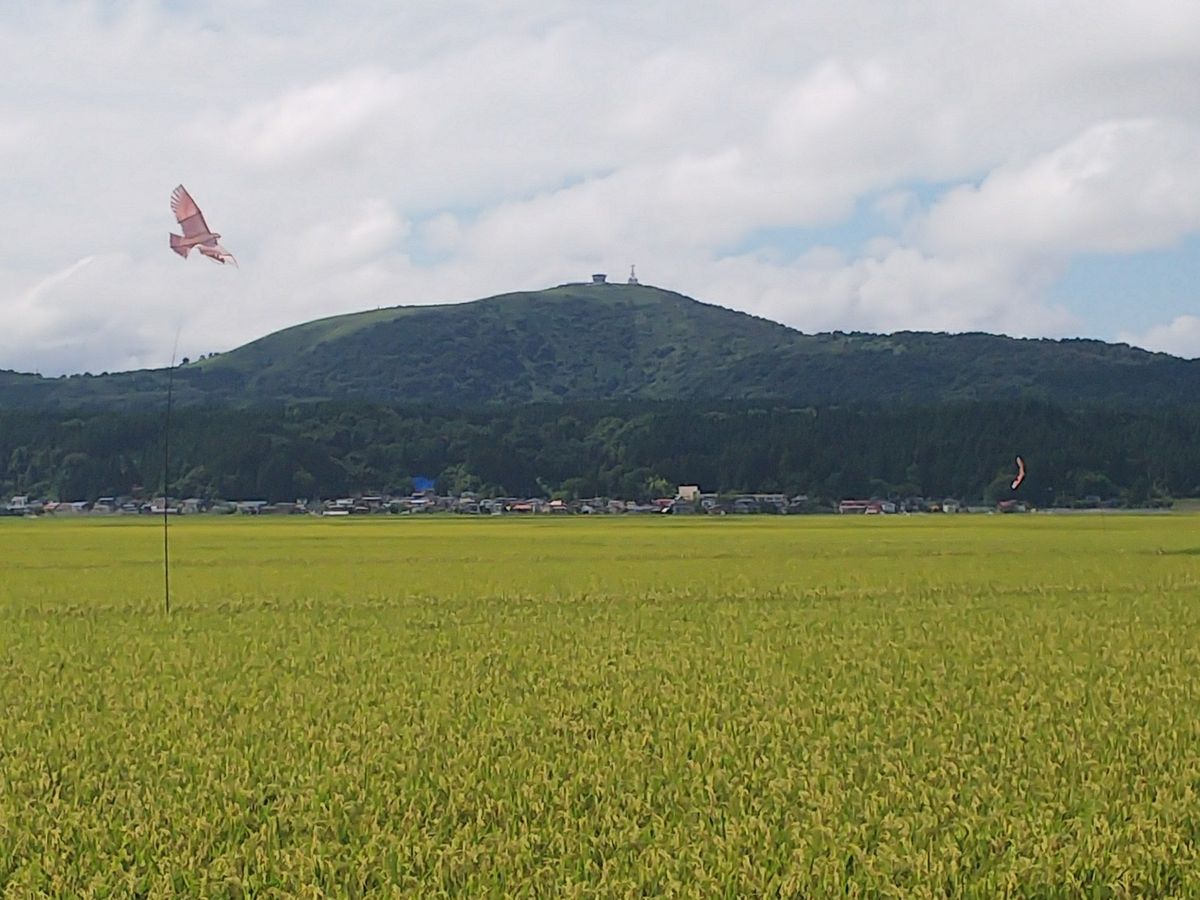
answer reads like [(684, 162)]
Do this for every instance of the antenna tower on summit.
[(632, 276)]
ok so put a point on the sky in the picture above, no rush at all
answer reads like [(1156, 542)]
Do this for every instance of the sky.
[(1019, 167)]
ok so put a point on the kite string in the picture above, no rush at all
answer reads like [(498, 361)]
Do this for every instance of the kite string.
[(165, 478)]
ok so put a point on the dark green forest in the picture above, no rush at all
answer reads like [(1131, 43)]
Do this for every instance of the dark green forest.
[(633, 450)]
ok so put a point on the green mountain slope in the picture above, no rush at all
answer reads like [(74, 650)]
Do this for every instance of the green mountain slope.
[(584, 342)]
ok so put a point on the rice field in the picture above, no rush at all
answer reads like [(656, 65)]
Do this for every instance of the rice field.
[(907, 707)]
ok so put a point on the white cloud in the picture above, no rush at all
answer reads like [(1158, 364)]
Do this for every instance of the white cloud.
[(1180, 337), (324, 116), (15, 133), (62, 319), (892, 287), (371, 230), (371, 154), (47, 284), (1120, 187)]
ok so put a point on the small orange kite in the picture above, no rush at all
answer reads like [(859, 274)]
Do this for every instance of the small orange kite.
[(1020, 473)]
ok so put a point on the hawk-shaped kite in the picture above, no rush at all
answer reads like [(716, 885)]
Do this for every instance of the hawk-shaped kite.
[(195, 230)]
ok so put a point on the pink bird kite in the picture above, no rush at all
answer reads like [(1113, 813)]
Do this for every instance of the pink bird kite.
[(195, 230)]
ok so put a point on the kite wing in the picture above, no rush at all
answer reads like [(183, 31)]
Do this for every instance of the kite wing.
[(187, 213), (215, 251), (1020, 473)]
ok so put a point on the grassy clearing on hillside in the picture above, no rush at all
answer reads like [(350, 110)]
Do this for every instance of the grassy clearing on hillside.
[(907, 707)]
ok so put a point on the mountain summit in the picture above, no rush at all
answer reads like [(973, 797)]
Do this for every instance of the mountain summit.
[(624, 342)]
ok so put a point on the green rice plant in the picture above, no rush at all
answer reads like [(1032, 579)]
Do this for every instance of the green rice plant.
[(925, 706)]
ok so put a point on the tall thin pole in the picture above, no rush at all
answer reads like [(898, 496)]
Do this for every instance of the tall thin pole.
[(166, 481)]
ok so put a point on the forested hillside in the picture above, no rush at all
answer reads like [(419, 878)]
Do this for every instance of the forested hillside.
[(622, 342), (633, 450)]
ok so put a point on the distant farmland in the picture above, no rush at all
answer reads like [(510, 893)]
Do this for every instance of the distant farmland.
[(903, 707)]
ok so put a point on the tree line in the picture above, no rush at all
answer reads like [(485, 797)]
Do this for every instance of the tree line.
[(634, 450)]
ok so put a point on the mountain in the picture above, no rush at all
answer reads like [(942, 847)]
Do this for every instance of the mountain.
[(628, 342)]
